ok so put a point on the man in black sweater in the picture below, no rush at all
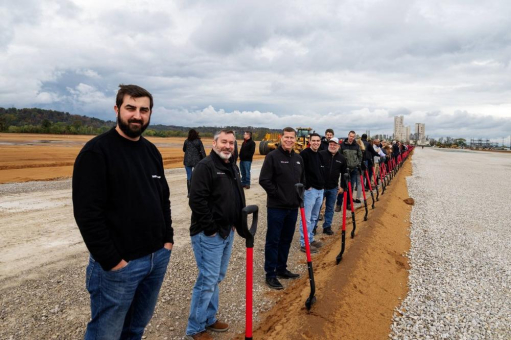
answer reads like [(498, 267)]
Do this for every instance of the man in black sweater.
[(335, 167), (282, 169), (314, 186), (246, 154), (216, 200), (122, 208)]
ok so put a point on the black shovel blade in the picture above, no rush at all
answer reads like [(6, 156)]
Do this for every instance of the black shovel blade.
[(310, 301)]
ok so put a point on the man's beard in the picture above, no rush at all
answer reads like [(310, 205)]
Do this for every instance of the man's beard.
[(132, 131), (222, 155)]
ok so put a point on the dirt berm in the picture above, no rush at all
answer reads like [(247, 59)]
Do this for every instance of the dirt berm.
[(355, 299)]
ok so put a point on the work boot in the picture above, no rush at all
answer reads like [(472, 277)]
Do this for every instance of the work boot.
[(218, 326), (287, 275), (313, 250), (328, 231), (320, 218), (274, 283), (202, 336), (338, 208), (317, 244)]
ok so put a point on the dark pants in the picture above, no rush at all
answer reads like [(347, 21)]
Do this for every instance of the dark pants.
[(281, 228)]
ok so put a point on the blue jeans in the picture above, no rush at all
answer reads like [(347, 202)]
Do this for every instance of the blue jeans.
[(123, 301), (245, 172), (279, 235), (312, 201), (189, 170), (212, 254), (330, 196)]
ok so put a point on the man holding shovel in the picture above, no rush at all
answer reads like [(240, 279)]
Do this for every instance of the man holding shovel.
[(282, 169), (216, 201)]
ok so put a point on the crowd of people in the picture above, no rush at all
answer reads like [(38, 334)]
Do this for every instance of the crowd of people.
[(122, 208)]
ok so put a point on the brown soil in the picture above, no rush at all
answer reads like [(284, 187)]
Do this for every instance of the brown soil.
[(39, 157), (355, 299)]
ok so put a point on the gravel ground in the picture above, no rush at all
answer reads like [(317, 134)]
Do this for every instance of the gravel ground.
[(460, 277)]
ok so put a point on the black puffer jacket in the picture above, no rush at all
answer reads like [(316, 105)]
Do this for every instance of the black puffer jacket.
[(194, 152)]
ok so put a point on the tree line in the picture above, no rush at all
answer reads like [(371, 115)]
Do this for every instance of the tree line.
[(35, 120)]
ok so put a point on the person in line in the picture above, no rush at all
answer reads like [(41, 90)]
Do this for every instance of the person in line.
[(335, 167), (282, 169), (194, 152), (369, 155), (122, 208), (329, 134), (314, 187), (216, 201), (246, 155), (351, 151)]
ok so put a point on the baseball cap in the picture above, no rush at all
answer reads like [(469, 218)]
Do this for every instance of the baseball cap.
[(333, 140)]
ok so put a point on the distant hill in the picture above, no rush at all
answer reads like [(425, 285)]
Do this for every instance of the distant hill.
[(34, 120)]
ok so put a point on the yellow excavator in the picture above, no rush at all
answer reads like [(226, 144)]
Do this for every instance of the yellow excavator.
[(271, 141)]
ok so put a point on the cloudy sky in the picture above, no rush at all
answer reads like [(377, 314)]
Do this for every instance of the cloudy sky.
[(342, 64)]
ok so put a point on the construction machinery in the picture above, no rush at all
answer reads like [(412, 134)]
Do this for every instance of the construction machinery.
[(271, 141)]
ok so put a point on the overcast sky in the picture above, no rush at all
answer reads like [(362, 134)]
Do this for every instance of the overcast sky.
[(340, 64)]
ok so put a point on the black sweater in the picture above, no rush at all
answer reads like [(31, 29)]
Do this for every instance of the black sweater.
[(335, 165), (247, 150), (314, 169), (121, 199), (216, 197), (280, 172)]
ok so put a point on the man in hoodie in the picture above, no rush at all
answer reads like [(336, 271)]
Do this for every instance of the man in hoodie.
[(354, 157), (246, 154), (216, 201), (282, 169), (314, 186)]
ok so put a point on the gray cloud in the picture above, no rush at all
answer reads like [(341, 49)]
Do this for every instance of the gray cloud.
[(347, 65)]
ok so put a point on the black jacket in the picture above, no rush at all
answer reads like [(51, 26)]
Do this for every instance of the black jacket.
[(247, 150), (369, 152), (313, 165), (335, 166), (216, 197), (280, 172), (324, 144), (121, 199)]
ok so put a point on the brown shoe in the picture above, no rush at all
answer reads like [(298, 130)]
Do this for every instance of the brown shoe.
[(317, 244), (202, 336), (218, 326), (338, 208)]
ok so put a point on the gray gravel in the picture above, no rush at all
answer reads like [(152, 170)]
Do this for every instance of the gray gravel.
[(460, 277)]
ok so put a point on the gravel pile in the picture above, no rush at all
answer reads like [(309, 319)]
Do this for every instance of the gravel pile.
[(460, 257)]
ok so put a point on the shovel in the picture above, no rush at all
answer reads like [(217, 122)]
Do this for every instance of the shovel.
[(311, 299), (352, 208), (364, 191), (343, 235), (249, 241), (370, 188), (376, 184)]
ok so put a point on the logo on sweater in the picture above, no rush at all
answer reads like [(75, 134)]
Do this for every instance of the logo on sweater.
[(220, 173), (284, 162), (156, 176), (298, 163), (338, 161)]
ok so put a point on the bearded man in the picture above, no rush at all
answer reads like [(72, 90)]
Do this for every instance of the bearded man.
[(122, 208), (216, 201)]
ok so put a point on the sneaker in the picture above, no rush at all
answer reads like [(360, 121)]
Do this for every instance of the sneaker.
[(338, 208), (328, 231), (218, 326), (317, 244), (314, 250), (274, 283), (357, 201), (201, 336), (287, 275)]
